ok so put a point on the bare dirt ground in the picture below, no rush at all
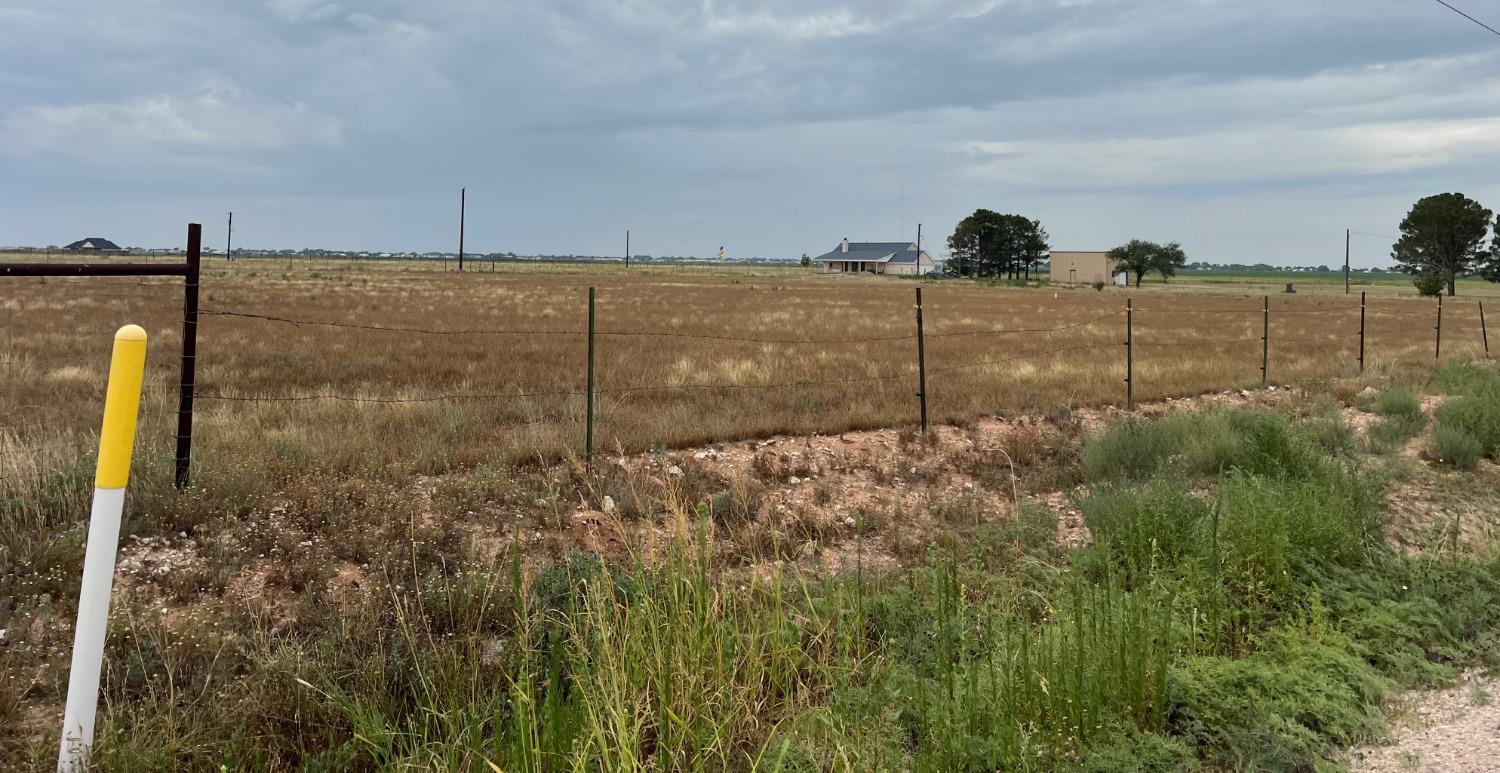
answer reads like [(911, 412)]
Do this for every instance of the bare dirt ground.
[(1443, 509), (1456, 730)]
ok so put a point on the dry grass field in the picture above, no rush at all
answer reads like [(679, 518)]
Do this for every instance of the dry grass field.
[(502, 376)]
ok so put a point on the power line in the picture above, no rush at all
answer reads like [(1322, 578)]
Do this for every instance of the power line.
[(1470, 18)]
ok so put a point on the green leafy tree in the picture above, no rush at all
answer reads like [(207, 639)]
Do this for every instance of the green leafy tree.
[(1444, 235), (1489, 262), (991, 244), (806, 260), (1167, 259), (1136, 257)]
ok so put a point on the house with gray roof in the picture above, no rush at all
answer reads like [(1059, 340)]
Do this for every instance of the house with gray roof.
[(900, 258), (93, 243)]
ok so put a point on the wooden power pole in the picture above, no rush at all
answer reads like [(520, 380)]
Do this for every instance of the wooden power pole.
[(1346, 261)]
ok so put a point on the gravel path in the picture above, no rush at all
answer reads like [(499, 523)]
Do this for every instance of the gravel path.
[(1452, 730)]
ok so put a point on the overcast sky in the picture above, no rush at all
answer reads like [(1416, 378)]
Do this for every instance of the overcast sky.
[(1249, 130)]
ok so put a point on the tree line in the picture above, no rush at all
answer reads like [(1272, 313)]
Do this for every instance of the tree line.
[(988, 244), (1443, 237)]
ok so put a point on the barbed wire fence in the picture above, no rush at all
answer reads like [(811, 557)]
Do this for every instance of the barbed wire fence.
[(1349, 329), (1349, 333)]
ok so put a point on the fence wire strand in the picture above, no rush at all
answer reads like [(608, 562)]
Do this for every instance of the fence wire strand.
[(497, 331), (1002, 331), (1023, 356)]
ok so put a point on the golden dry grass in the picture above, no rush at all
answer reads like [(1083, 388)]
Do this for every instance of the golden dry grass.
[(672, 388)]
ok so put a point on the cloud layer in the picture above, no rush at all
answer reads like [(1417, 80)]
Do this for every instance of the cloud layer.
[(774, 128)]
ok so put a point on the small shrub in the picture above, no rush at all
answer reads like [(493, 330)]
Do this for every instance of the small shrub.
[(1269, 444), (1157, 526), (1280, 710), (1477, 416), (1130, 450), (1455, 447), (1331, 433), (1429, 285), (1394, 401), (1271, 524), (1032, 532), (1098, 286), (1206, 443), (1462, 377), (1401, 419)]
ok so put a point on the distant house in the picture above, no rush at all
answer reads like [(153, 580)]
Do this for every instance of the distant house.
[(900, 258), (93, 243), (1085, 268)]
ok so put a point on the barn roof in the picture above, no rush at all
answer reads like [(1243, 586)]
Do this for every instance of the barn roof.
[(874, 252), (93, 243)]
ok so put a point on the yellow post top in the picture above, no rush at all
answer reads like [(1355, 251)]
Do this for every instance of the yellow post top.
[(122, 402)]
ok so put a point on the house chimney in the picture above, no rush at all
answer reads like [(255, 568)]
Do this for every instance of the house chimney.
[(845, 247)]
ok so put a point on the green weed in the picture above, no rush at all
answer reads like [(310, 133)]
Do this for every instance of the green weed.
[(1401, 419)]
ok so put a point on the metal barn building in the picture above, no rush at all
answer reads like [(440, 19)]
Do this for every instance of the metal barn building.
[(1084, 268)]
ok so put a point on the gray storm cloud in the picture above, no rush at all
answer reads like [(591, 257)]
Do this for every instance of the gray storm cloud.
[(773, 128)]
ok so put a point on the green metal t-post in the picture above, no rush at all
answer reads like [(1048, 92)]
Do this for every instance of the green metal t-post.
[(921, 362), (1129, 354), (1437, 345), (1265, 343), (588, 432), (1484, 331), (1361, 331)]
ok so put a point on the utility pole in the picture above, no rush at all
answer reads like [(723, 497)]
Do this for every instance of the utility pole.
[(228, 239), (462, 193), (919, 249), (627, 248), (1346, 261)]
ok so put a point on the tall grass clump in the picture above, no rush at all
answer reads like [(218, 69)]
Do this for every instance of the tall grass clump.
[(1017, 692), (1202, 443), (1456, 447), (1468, 423), (1401, 419), (1463, 377), (1476, 417), (1148, 529)]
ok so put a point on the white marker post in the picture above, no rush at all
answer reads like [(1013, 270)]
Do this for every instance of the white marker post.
[(122, 403)]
